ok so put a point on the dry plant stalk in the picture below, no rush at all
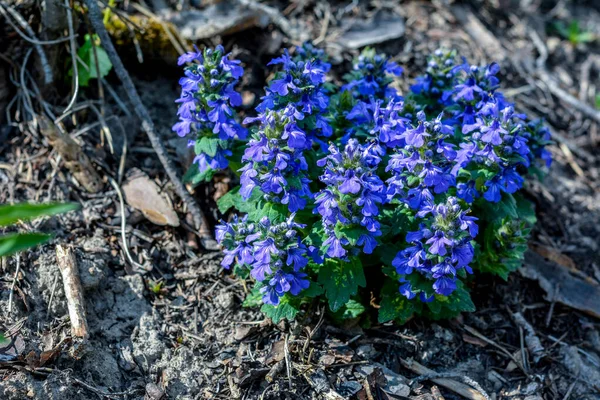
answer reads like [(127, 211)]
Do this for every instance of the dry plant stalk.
[(75, 159), (73, 290)]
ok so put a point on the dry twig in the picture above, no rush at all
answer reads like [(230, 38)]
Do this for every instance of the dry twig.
[(73, 290)]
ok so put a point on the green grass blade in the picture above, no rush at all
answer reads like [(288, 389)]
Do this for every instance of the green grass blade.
[(10, 244), (10, 214)]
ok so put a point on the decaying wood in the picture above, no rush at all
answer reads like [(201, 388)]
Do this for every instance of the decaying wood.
[(75, 159), (561, 285), (460, 388), (67, 264)]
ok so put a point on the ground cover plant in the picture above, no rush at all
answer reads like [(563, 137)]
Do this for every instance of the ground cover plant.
[(358, 195)]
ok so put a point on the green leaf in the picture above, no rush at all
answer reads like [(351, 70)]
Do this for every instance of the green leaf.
[(352, 233), (525, 209), (229, 200), (394, 306), (207, 145), (254, 298), (397, 220), (10, 214), (313, 290), (284, 310), (10, 244), (275, 212), (341, 281), (444, 307), (86, 63), (194, 177), (352, 309)]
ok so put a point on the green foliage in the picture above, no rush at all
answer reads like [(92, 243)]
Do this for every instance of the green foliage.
[(287, 309), (394, 306), (504, 235), (573, 32), (194, 176), (341, 281), (93, 61), (10, 244), (11, 214), (445, 307)]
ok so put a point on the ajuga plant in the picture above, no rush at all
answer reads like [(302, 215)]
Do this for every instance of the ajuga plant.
[(355, 195)]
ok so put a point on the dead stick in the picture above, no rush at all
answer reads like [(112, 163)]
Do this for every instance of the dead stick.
[(457, 387), (75, 159), (73, 290), (142, 112)]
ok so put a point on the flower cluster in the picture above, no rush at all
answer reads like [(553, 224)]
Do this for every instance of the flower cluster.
[(300, 84), (340, 180), (371, 76), (421, 167), (351, 198), (206, 104), (275, 160), (439, 249), (273, 253)]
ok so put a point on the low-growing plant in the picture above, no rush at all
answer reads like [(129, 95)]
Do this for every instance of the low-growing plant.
[(357, 196)]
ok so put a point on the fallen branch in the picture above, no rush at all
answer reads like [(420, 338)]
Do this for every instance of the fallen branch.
[(73, 290), (142, 112), (475, 392), (75, 159)]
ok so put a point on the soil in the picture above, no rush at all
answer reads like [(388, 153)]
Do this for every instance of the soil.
[(176, 328)]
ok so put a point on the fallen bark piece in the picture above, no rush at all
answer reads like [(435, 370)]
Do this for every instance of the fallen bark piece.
[(143, 194), (382, 27), (561, 286), (460, 388), (75, 159), (67, 264)]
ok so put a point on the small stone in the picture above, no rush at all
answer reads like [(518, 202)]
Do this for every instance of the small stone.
[(225, 300), (366, 351), (153, 392)]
